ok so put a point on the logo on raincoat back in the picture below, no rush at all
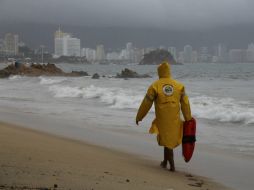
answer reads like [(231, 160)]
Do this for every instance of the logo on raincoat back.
[(168, 90)]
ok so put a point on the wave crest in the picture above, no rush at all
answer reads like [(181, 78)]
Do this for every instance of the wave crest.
[(212, 108), (49, 81), (114, 97), (222, 109)]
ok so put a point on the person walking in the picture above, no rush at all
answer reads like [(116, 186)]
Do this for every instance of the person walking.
[(170, 99)]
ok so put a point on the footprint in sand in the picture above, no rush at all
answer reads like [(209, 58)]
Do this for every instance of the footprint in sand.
[(198, 183)]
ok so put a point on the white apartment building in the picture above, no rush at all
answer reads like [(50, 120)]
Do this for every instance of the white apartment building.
[(236, 56), (250, 53), (100, 53), (90, 54), (66, 45), (172, 50), (10, 44), (222, 53), (113, 56), (129, 51), (187, 51)]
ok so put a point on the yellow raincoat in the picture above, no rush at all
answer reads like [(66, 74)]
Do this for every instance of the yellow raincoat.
[(169, 98)]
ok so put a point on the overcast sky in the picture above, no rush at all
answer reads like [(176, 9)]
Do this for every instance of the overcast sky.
[(171, 14)]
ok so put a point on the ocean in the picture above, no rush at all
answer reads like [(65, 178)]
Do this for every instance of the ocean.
[(221, 97), (102, 112)]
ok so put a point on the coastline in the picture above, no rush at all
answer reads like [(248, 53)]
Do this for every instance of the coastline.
[(102, 113), (36, 159), (227, 168)]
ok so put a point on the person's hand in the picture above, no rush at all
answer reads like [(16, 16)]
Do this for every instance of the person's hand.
[(137, 122)]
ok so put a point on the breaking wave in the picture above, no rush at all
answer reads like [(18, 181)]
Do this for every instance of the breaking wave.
[(212, 108), (61, 91), (114, 97), (15, 77), (222, 109), (49, 81)]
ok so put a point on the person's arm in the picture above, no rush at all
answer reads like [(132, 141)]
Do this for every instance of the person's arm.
[(146, 104), (185, 106)]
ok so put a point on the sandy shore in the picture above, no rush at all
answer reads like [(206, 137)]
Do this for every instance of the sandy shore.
[(33, 160)]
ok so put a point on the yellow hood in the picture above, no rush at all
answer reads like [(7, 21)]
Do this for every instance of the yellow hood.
[(164, 70)]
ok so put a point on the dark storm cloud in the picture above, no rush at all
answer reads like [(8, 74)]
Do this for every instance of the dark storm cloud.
[(172, 14)]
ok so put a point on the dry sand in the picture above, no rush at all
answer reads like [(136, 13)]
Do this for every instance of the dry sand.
[(33, 160)]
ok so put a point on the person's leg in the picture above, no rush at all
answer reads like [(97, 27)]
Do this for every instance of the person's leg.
[(171, 159), (164, 162)]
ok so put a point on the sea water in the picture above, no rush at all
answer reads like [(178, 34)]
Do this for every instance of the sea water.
[(221, 97)]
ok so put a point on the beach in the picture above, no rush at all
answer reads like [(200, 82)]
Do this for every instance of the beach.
[(31, 159), (102, 113)]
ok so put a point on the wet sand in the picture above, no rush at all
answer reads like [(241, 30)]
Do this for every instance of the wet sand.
[(36, 160)]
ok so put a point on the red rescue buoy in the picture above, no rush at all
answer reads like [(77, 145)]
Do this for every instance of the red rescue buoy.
[(189, 139)]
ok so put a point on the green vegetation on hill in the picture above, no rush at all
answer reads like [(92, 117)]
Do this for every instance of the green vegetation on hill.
[(156, 57)]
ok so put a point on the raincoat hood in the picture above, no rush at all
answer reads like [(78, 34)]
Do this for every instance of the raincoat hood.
[(164, 70)]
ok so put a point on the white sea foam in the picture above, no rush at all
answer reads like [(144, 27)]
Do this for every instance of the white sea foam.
[(15, 77), (213, 108), (48, 81), (61, 91), (222, 109), (114, 97)]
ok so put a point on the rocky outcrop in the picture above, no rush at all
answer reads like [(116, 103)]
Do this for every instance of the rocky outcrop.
[(37, 70), (127, 73), (96, 76), (156, 57), (79, 73)]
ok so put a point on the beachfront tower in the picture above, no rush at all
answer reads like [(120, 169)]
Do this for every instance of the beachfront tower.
[(172, 50), (11, 44), (66, 45), (187, 54), (100, 53)]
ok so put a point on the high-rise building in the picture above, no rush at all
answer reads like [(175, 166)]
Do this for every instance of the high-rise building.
[(73, 46), (172, 50), (89, 53), (250, 53), (66, 45), (10, 44), (222, 53), (113, 56), (194, 57), (236, 55), (187, 51), (129, 46), (123, 54), (204, 54), (129, 51), (100, 53), (60, 34), (180, 57), (138, 55)]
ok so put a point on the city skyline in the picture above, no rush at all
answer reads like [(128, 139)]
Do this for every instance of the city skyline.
[(67, 44), (113, 23), (35, 34)]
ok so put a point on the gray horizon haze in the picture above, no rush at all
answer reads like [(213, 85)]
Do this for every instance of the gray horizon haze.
[(183, 17)]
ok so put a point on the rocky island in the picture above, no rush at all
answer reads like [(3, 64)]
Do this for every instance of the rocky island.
[(157, 56), (34, 70), (127, 73)]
